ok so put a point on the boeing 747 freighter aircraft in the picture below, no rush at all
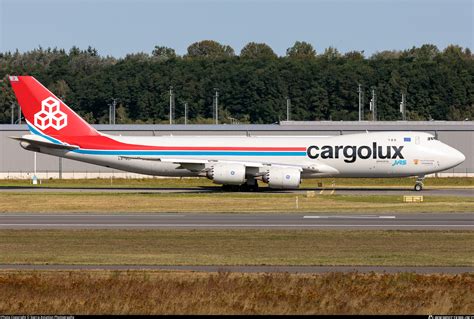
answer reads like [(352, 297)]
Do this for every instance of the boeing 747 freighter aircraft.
[(282, 162)]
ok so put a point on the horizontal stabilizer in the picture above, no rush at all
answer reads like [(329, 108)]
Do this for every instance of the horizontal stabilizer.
[(41, 143)]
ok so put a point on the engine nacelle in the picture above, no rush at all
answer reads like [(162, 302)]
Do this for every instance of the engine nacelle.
[(283, 177), (227, 174)]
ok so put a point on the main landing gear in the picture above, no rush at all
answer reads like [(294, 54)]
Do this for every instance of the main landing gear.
[(249, 186), (419, 183)]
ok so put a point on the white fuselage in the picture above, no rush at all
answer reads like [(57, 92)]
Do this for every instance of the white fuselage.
[(398, 154), (279, 161)]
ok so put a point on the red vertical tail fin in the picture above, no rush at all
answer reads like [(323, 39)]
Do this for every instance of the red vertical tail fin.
[(45, 112)]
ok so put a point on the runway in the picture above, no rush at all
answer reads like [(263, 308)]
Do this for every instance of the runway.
[(463, 192), (250, 269), (406, 221)]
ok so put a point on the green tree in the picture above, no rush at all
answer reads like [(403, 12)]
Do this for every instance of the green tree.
[(331, 53), (210, 49), (438, 85), (122, 115), (301, 49), (255, 50), (163, 53), (386, 54), (354, 55), (427, 52), (60, 89), (454, 51)]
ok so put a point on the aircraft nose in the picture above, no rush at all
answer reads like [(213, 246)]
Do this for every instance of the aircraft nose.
[(450, 157), (457, 157)]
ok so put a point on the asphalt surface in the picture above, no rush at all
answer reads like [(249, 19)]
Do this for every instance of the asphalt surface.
[(465, 192), (250, 269), (407, 221)]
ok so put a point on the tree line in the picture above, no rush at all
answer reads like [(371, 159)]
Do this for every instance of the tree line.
[(253, 86)]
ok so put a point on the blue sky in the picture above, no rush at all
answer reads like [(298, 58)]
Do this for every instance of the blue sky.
[(125, 26)]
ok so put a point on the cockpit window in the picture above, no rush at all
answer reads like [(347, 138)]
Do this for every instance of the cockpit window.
[(431, 138)]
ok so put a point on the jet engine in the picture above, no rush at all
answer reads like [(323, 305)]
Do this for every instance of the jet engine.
[(227, 174), (283, 177)]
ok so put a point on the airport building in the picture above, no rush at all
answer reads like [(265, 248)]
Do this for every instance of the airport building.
[(15, 162)]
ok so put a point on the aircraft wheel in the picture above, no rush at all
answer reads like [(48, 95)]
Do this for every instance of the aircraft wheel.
[(254, 187), (418, 187), (229, 188), (250, 186), (243, 188)]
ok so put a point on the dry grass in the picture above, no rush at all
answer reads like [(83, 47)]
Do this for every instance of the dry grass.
[(224, 203), (137, 292), (196, 182), (379, 182), (238, 247)]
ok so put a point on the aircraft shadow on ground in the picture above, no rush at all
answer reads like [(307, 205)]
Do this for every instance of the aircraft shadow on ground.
[(265, 190)]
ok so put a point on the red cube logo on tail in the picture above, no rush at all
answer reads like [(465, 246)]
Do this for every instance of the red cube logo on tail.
[(50, 115)]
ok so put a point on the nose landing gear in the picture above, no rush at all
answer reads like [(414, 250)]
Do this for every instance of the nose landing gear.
[(419, 183)]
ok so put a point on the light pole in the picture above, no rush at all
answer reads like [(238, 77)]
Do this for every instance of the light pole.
[(112, 112), (373, 106), (403, 108), (216, 112), (361, 116), (13, 113), (34, 179), (171, 105), (288, 108), (185, 113)]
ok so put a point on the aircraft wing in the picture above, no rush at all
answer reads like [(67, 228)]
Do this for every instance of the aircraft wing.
[(38, 141), (196, 164)]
